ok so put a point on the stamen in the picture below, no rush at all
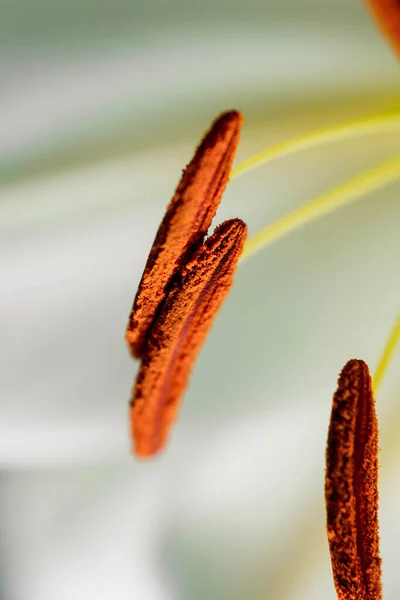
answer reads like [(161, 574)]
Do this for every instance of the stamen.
[(351, 487), (387, 354), (320, 137), (185, 224), (341, 195)]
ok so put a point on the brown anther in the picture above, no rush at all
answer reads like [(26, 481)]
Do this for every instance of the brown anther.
[(186, 317), (351, 487), (185, 223)]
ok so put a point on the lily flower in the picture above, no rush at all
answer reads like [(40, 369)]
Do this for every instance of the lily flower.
[(99, 116)]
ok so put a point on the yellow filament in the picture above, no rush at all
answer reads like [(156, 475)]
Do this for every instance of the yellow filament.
[(345, 193), (387, 354), (352, 129)]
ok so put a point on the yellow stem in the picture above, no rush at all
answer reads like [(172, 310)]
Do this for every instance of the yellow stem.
[(387, 354), (345, 193), (352, 129)]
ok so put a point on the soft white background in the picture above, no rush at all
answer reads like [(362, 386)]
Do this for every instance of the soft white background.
[(101, 106)]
